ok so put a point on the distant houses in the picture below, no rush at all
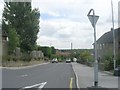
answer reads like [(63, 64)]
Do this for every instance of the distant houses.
[(105, 44), (63, 53)]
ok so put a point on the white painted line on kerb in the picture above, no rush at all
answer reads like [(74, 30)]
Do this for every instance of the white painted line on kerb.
[(40, 85), (24, 67), (77, 82)]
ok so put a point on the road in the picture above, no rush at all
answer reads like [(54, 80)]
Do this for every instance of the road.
[(52, 75)]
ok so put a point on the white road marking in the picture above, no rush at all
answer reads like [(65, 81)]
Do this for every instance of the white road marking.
[(41, 85), (24, 75), (77, 82)]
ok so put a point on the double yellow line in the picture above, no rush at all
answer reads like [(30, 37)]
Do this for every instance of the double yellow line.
[(71, 82)]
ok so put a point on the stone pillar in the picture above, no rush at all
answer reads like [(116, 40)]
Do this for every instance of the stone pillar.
[(33, 54), (17, 53)]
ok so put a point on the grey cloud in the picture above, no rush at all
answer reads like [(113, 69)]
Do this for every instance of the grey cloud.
[(63, 36), (47, 31)]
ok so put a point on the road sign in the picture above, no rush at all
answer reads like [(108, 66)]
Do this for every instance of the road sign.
[(93, 20)]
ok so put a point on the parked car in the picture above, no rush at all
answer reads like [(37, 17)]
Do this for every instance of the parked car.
[(117, 71), (54, 60), (68, 61)]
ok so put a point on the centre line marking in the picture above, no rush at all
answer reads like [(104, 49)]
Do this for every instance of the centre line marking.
[(24, 75), (71, 82)]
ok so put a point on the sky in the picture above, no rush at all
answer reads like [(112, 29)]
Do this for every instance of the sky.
[(63, 22)]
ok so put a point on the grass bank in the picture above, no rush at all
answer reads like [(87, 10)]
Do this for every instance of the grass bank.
[(21, 63)]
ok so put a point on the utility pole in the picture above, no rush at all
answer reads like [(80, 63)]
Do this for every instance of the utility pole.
[(71, 46), (50, 51), (114, 51), (71, 51)]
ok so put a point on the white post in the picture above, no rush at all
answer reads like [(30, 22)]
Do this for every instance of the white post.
[(93, 19), (95, 48)]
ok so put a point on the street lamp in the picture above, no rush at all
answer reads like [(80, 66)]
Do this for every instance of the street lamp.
[(93, 19), (114, 51)]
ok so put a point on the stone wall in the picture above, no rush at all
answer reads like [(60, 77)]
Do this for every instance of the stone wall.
[(4, 48), (18, 55), (37, 54)]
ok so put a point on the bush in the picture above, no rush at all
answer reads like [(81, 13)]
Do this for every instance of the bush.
[(9, 58), (46, 59), (26, 57), (86, 57), (108, 63), (118, 61), (6, 60)]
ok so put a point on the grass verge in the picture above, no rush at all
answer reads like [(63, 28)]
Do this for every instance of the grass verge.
[(21, 63)]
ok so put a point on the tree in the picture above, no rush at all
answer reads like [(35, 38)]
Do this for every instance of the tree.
[(53, 50), (13, 40), (85, 56), (48, 51), (21, 17), (108, 62)]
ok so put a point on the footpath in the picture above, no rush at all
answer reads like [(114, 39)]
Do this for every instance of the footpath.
[(85, 77)]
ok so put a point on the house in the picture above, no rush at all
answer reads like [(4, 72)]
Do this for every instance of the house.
[(105, 44)]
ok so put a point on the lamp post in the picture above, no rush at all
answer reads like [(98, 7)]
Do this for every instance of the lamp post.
[(114, 51), (93, 19)]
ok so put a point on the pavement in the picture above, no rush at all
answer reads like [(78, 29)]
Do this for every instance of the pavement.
[(52, 75), (85, 77)]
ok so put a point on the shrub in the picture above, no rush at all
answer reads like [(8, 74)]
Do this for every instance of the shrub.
[(108, 63)]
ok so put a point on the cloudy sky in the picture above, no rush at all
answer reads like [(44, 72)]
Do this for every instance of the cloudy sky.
[(66, 21)]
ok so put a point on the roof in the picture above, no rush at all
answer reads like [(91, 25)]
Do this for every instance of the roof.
[(108, 37)]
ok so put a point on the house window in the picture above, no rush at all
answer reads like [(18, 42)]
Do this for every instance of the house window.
[(103, 45), (100, 46)]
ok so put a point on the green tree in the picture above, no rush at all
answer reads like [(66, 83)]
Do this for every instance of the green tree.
[(13, 40), (48, 51), (108, 62), (85, 56), (53, 50), (45, 50), (19, 15)]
